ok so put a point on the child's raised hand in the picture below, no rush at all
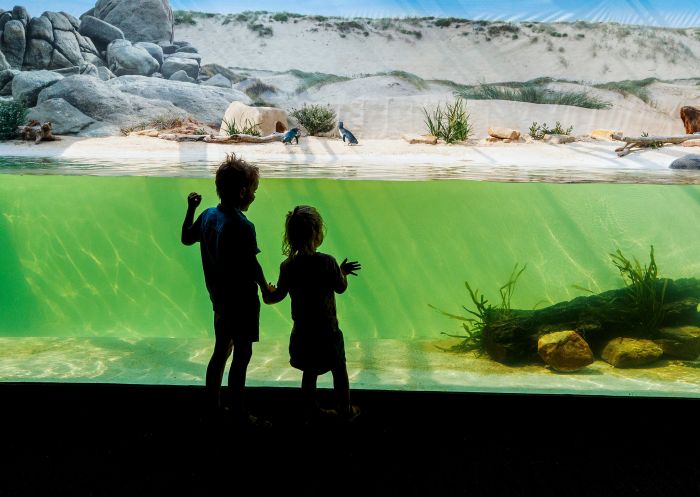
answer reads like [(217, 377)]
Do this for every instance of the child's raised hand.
[(349, 267), (193, 200)]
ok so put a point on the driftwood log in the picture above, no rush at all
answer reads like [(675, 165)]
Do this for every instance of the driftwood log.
[(274, 137), (641, 142), (37, 131), (597, 318)]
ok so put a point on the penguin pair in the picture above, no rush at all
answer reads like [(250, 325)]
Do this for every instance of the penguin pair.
[(294, 133)]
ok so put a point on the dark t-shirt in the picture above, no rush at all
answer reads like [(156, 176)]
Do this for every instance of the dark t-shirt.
[(228, 246), (312, 281)]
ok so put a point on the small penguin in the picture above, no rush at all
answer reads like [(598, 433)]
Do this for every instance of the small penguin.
[(346, 134), (292, 134)]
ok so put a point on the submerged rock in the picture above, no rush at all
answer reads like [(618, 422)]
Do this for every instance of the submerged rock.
[(681, 342), (686, 162), (564, 351), (631, 352)]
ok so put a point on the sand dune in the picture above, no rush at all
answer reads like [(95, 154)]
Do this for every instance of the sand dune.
[(380, 75)]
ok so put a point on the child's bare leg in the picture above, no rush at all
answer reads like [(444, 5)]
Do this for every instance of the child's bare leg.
[(242, 352), (308, 392), (341, 386), (215, 371)]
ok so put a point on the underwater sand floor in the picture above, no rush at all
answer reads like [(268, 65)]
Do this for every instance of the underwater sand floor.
[(380, 364)]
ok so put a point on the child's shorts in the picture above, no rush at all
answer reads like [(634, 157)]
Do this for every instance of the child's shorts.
[(243, 325), (316, 352)]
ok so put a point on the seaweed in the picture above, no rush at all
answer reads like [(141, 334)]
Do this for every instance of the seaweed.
[(483, 315), (645, 290)]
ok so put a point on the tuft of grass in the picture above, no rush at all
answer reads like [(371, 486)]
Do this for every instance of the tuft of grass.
[(258, 88), (450, 124), (646, 292), (262, 30), (314, 118), (13, 113), (533, 93), (483, 314), (638, 88), (315, 79), (247, 128), (416, 81), (184, 18), (496, 30), (416, 34), (537, 131), (165, 121)]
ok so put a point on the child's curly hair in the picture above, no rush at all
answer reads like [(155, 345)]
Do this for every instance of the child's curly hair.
[(303, 231), (233, 174)]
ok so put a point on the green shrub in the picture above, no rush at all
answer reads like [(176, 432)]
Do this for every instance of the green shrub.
[(532, 92), (315, 118), (258, 88), (280, 17), (450, 124), (262, 30), (184, 17), (537, 131), (638, 88), (313, 79), (13, 113), (248, 128)]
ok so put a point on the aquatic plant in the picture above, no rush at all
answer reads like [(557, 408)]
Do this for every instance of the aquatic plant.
[(315, 118), (484, 314), (533, 93), (13, 113), (537, 131), (248, 128), (645, 290), (450, 124)]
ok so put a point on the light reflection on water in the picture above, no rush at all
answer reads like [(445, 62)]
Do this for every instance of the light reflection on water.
[(466, 170)]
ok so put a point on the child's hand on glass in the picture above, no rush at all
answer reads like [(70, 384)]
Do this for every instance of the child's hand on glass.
[(193, 200), (349, 267)]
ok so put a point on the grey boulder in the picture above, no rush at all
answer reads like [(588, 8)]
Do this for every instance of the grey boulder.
[(66, 119), (13, 43), (181, 76), (219, 81), (686, 162), (174, 64), (103, 102), (140, 20), (27, 85), (124, 59), (100, 32), (6, 78), (153, 49), (205, 103), (186, 49)]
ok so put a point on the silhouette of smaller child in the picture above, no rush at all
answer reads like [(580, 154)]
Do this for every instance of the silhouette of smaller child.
[(312, 278)]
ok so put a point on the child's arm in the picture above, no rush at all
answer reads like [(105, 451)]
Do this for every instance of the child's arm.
[(345, 269), (277, 293), (190, 233)]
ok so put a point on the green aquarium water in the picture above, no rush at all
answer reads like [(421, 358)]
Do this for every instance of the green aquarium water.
[(95, 285)]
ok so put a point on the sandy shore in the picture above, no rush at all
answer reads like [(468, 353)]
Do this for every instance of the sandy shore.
[(580, 161)]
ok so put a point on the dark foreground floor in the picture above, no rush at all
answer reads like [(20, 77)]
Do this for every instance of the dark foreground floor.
[(62, 439)]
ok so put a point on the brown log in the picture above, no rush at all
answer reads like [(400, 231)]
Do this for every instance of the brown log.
[(182, 137), (274, 137)]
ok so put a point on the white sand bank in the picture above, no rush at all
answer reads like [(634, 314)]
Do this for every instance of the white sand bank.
[(387, 159)]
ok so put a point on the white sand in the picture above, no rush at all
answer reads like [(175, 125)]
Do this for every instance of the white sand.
[(387, 159)]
